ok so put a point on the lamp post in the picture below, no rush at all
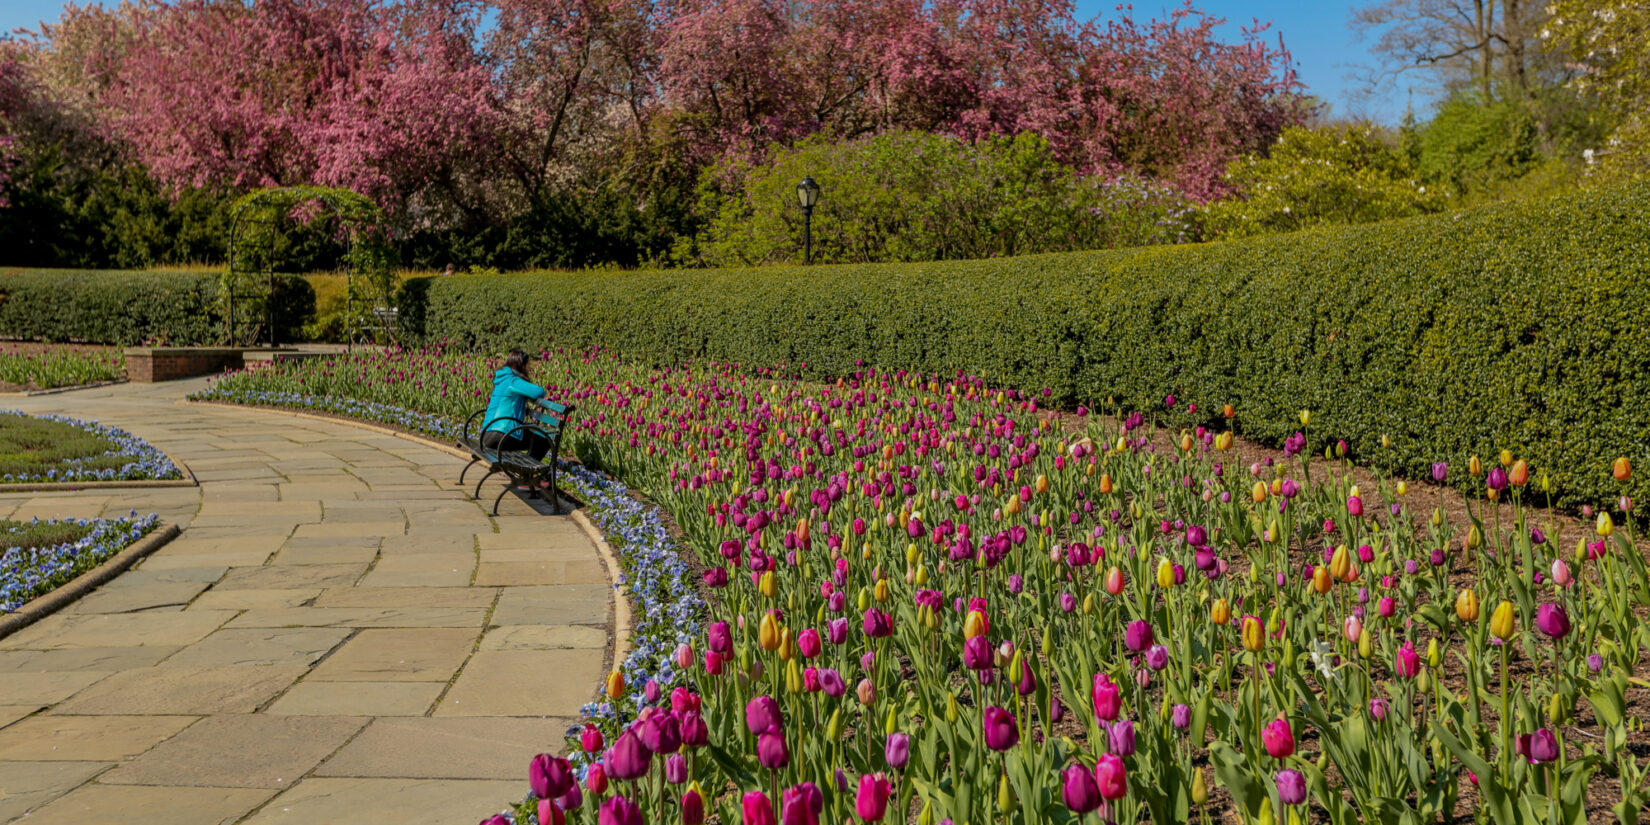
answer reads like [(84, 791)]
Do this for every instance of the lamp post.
[(807, 194)]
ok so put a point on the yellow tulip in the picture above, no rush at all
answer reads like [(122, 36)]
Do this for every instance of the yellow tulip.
[(1340, 563), (615, 685), (1475, 467), (1466, 605), (1042, 483), (1013, 507), (1306, 418), (787, 645), (880, 592), (1220, 613), (912, 554), (1503, 621), (974, 624), (767, 633), (1433, 656), (1257, 494), (769, 584), (1403, 488), (1606, 526), (1475, 537), (1165, 574), (1506, 457), (922, 575), (1365, 648), (1386, 441), (1254, 636), (1186, 442)]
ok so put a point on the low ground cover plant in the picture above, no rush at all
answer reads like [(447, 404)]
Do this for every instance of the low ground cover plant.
[(34, 367), (55, 448), (38, 556), (929, 598)]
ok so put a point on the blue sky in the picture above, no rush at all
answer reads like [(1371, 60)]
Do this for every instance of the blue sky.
[(1315, 31)]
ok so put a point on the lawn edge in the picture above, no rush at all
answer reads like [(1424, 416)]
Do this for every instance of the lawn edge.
[(43, 606)]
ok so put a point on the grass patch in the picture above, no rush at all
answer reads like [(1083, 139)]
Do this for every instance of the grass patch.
[(52, 448)]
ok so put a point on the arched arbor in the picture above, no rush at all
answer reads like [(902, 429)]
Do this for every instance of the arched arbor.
[(259, 221)]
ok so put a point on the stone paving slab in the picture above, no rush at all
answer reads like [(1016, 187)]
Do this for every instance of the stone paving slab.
[(26, 785), (323, 801), (87, 738), (136, 805), (241, 750), (340, 634), (450, 748)]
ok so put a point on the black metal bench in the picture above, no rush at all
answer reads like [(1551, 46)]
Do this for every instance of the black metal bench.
[(550, 420)]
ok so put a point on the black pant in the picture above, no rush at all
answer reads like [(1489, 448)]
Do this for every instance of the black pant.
[(532, 443)]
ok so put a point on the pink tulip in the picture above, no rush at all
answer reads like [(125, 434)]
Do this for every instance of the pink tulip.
[(1108, 698), (1278, 738), (758, 810), (1408, 662), (1111, 776), (871, 803)]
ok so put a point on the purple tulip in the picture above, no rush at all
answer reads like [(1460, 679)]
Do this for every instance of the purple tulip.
[(695, 733), (676, 768), (1068, 603), (1079, 790), (1543, 747), (628, 758), (1440, 471), (977, 653), (693, 808), (836, 630), (620, 811), (1157, 657), (1137, 636), (661, 734), (1120, 737), (549, 776), (1407, 663), (1498, 478), (1595, 662), (794, 809), (771, 751), (1550, 618), (1181, 716), (1291, 786), (878, 624), (1001, 731), (897, 751), (762, 715), (832, 683)]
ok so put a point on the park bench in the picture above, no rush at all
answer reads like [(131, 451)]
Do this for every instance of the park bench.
[(520, 468)]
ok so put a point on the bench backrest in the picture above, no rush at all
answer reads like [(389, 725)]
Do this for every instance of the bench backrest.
[(553, 416)]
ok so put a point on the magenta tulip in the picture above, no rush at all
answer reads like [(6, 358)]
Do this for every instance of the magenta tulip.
[(693, 807), (1278, 738), (871, 803), (897, 751), (1137, 636), (629, 757), (1112, 777), (1291, 787), (1079, 790), (620, 811), (1551, 620), (549, 776), (1408, 662), (758, 810), (771, 751), (1108, 698), (762, 715), (1001, 730)]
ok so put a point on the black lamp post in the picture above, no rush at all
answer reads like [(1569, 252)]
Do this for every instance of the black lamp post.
[(807, 193)]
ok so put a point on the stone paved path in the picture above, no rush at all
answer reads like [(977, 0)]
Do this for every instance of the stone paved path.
[(339, 636)]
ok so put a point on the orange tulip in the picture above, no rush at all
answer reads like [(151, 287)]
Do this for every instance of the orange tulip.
[(1520, 474), (1321, 579), (1621, 469)]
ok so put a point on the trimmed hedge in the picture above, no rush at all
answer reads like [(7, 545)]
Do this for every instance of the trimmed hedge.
[(130, 308), (1522, 326)]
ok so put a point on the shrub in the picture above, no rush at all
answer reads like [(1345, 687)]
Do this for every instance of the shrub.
[(1343, 174), (129, 308), (913, 196), (1521, 326)]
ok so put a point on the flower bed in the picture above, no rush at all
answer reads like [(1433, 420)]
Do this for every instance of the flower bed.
[(39, 367), (38, 556), (937, 600), (54, 448)]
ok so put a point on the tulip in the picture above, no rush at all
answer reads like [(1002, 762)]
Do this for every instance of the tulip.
[(1355, 506), (1165, 574), (1220, 612), (620, 811), (1498, 479), (1108, 697), (595, 779), (758, 810), (977, 653), (1475, 468), (676, 768), (1181, 716), (1114, 580), (1200, 789), (767, 634), (1466, 605), (1157, 657), (693, 806), (549, 814), (762, 715), (591, 738), (1620, 469), (771, 751), (549, 776), (719, 638), (1377, 708), (878, 624), (1079, 790), (866, 692), (1120, 737), (1543, 747), (1551, 620), (1322, 580), (1111, 776), (871, 802), (615, 685), (1561, 573), (1606, 525), (1254, 637), (1137, 636), (976, 624), (1503, 621), (808, 643), (661, 733), (1519, 475), (629, 757), (1291, 786), (1352, 629), (1001, 730), (897, 751), (695, 733), (1408, 662), (1278, 738)]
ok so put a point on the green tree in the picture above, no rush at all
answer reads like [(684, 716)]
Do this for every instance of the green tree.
[(1609, 40), (1473, 144), (1334, 174)]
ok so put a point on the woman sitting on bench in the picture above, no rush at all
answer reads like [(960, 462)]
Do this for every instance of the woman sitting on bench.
[(507, 409)]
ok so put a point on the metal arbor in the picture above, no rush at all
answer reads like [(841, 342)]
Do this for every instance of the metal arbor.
[(248, 293)]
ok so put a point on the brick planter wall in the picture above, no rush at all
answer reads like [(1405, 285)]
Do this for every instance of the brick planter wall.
[(150, 364)]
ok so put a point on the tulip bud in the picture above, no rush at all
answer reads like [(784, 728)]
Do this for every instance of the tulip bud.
[(1005, 797), (615, 685), (1606, 525), (1558, 709), (1475, 467), (1306, 418), (952, 714), (1365, 648), (1503, 621), (1621, 469), (1200, 789), (1220, 612), (1433, 656), (1403, 488), (1466, 605), (1165, 574)]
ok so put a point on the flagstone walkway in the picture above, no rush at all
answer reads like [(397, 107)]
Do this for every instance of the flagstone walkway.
[(340, 635)]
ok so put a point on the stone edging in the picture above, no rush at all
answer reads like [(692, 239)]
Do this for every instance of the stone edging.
[(56, 390), (82, 584), (621, 605)]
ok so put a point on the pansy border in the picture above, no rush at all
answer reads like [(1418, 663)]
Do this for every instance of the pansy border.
[(148, 462), (107, 537)]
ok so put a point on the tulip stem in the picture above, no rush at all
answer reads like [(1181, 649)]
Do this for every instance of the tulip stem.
[(1506, 716)]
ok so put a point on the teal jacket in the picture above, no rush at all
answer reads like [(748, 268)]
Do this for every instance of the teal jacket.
[(511, 393)]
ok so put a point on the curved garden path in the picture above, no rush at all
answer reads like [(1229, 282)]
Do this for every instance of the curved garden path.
[(340, 635)]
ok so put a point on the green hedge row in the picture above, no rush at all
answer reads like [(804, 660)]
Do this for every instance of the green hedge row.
[(1524, 326), (129, 308)]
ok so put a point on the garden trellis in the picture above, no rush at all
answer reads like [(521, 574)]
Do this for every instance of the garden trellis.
[(257, 220)]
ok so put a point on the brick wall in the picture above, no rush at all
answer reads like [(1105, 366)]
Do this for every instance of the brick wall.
[(150, 364)]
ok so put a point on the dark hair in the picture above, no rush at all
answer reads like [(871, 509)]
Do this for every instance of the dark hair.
[(517, 361)]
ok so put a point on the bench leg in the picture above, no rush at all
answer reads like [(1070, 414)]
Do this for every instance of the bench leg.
[(555, 498), (466, 470), (490, 474), (501, 496)]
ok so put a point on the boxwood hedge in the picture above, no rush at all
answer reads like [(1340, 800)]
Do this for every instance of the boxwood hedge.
[(129, 308), (1520, 326)]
